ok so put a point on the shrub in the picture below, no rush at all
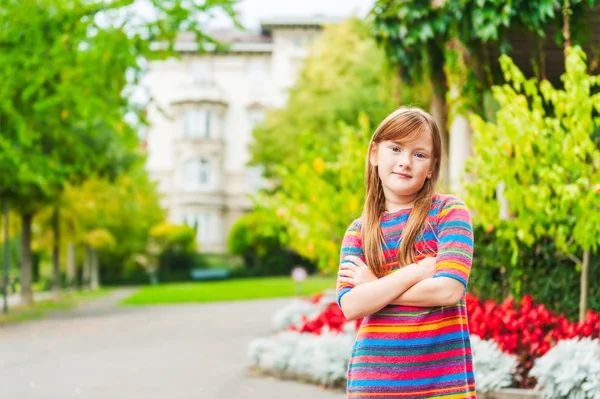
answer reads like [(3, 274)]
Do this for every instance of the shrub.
[(570, 370), (556, 282), (301, 310), (322, 359), (493, 368), (258, 237)]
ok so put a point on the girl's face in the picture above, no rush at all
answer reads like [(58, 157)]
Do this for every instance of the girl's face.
[(403, 168)]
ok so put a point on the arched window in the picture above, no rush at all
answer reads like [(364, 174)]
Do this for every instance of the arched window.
[(197, 174)]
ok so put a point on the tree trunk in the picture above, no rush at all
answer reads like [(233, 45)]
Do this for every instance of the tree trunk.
[(56, 253), (87, 267), (25, 280), (5, 263), (95, 272), (566, 23), (585, 269), (461, 147), (439, 109), (71, 267)]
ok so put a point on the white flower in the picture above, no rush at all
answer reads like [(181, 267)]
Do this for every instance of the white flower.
[(493, 368), (570, 370)]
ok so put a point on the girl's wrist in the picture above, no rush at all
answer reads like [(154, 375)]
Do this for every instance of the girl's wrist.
[(413, 272)]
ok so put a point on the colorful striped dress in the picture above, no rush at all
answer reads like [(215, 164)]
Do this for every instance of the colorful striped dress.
[(416, 352)]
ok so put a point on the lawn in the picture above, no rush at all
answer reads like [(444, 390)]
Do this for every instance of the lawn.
[(228, 290), (40, 309)]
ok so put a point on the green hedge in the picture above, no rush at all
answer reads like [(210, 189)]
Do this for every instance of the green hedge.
[(540, 272)]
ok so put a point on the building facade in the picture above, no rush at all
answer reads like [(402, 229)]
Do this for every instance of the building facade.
[(203, 113)]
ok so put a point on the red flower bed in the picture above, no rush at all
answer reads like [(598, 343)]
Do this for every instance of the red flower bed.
[(332, 318), (527, 331)]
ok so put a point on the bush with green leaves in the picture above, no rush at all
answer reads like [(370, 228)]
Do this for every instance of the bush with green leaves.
[(315, 154), (541, 152), (570, 370), (540, 272), (259, 238)]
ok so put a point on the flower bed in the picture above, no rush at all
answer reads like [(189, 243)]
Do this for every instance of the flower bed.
[(527, 331), (314, 340)]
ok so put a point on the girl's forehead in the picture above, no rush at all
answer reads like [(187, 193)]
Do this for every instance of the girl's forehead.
[(423, 140)]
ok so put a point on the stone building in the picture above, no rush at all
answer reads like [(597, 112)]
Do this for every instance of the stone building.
[(205, 107)]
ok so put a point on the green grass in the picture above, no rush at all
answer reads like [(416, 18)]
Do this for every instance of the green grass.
[(228, 290), (40, 309)]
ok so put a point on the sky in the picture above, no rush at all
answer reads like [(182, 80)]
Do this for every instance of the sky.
[(251, 11)]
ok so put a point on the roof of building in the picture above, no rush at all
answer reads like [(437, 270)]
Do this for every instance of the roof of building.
[(253, 41), (315, 21)]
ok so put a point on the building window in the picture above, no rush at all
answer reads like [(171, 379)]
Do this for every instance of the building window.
[(256, 181), (202, 223), (257, 75), (197, 123), (256, 116), (201, 72), (196, 174), (203, 228)]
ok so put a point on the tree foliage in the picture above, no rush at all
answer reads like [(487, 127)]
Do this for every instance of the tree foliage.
[(415, 33), (544, 150), (67, 68), (318, 200), (315, 148), (344, 74), (127, 209)]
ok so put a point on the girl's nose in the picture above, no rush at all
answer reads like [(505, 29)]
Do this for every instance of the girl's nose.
[(404, 161)]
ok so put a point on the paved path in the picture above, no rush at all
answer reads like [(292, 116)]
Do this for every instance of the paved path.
[(165, 352)]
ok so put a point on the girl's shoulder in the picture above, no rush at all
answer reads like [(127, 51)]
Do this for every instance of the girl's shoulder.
[(443, 200), (356, 225), (443, 203)]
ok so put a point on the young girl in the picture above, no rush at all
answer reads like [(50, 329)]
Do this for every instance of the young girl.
[(404, 269)]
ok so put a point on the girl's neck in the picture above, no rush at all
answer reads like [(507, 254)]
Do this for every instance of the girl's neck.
[(393, 206)]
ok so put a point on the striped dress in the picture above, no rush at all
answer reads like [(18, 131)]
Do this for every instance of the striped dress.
[(416, 352)]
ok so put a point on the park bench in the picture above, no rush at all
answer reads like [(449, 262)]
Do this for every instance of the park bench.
[(198, 274)]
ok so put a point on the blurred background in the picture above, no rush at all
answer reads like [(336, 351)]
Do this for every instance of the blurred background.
[(200, 152)]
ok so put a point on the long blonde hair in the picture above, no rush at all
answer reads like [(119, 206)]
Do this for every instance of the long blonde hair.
[(403, 125)]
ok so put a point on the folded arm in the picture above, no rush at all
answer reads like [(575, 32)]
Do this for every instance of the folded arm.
[(441, 291), (366, 299), (454, 258)]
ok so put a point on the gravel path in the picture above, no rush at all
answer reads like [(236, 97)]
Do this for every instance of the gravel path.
[(99, 351)]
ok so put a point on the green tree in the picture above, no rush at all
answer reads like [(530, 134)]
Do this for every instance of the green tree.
[(257, 234), (544, 150), (65, 68), (123, 211), (314, 149), (418, 36), (345, 74), (318, 200)]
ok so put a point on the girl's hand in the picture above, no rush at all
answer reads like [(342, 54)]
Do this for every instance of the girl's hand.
[(354, 271)]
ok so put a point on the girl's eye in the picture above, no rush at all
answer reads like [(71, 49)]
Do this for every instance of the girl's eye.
[(420, 155), (395, 149)]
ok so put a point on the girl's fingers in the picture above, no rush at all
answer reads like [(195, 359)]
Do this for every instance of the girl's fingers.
[(356, 260), (348, 266), (347, 273), (345, 280)]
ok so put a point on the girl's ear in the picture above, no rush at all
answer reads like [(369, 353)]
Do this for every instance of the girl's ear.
[(373, 154)]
